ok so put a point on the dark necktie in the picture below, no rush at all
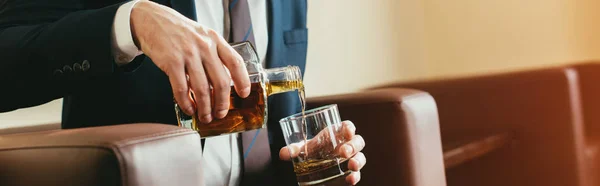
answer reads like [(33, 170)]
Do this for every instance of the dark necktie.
[(255, 143)]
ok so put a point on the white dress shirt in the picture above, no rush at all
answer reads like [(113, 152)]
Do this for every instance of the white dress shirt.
[(222, 159)]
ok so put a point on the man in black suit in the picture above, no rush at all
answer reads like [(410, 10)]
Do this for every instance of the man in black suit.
[(66, 48)]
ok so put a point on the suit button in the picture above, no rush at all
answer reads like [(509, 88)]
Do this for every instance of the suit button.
[(67, 69), (85, 65), (57, 72), (77, 67)]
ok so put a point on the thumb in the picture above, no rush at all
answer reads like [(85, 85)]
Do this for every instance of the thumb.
[(291, 151)]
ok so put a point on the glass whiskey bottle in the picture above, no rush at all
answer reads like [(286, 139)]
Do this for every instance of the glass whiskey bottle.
[(251, 112)]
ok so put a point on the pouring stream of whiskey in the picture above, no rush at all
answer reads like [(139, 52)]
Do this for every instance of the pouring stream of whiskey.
[(302, 97)]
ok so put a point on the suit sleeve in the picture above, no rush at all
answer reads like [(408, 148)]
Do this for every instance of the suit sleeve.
[(50, 48)]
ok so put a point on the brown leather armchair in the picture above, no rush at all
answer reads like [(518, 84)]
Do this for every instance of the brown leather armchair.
[(589, 86), (400, 127), (519, 128), (133, 155)]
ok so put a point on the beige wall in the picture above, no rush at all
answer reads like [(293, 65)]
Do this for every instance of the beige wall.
[(364, 43), (474, 36), (357, 43)]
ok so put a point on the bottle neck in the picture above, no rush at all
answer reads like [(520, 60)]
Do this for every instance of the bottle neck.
[(284, 79)]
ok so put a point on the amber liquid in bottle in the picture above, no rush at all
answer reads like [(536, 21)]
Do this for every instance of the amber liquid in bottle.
[(244, 113)]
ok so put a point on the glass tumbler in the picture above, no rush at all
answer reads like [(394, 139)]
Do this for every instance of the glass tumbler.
[(313, 138)]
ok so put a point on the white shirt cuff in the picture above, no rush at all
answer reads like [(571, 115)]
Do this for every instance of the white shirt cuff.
[(123, 46)]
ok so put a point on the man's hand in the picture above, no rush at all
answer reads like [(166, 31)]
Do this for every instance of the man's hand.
[(184, 49), (349, 150)]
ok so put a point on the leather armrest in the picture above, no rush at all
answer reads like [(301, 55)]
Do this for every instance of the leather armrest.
[(589, 81), (400, 127), (540, 107), (132, 155)]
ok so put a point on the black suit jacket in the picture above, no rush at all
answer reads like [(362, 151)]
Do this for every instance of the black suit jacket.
[(62, 48)]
